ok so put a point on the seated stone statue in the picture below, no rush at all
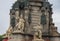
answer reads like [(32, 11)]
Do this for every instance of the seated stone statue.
[(38, 32)]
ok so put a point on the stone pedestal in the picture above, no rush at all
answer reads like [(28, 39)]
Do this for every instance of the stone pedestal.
[(16, 37), (38, 40)]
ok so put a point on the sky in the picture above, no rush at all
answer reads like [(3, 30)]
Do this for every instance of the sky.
[(6, 5)]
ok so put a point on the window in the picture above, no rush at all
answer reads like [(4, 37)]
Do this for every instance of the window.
[(29, 18), (43, 19), (13, 22)]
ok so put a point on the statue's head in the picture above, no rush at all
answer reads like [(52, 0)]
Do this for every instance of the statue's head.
[(21, 16)]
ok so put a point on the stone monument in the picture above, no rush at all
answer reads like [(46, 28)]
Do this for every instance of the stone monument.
[(31, 20)]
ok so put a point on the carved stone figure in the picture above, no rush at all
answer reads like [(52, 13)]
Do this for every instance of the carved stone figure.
[(21, 23), (38, 32), (9, 31)]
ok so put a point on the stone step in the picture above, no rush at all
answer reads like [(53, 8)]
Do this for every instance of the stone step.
[(35, 14), (35, 4)]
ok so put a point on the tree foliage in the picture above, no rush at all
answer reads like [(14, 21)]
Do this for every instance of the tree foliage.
[(1, 37)]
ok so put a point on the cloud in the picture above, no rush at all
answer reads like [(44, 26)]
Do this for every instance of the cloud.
[(4, 14), (56, 12)]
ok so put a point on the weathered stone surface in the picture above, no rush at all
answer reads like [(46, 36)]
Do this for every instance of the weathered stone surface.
[(38, 40), (16, 37)]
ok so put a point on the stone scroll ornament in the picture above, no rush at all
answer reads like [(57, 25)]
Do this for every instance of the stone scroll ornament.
[(23, 3)]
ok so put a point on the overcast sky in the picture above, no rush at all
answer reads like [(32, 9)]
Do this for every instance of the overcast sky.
[(5, 6)]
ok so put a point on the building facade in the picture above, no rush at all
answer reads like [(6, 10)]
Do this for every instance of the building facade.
[(27, 14)]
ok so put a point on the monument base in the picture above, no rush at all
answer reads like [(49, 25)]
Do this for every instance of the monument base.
[(16, 37), (38, 40)]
